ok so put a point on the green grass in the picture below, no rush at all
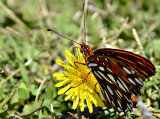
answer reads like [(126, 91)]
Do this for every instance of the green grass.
[(23, 37)]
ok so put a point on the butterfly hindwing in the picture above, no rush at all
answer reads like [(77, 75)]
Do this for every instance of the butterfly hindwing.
[(112, 93)]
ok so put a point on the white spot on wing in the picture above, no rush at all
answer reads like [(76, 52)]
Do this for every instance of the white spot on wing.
[(126, 98), (131, 102), (132, 71), (113, 104), (131, 81), (109, 89), (119, 103), (100, 73), (101, 89), (107, 96), (138, 80), (126, 70), (121, 86), (111, 77), (98, 59), (129, 106), (97, 75), (119, 109), (126, 110), (106, 60), (92, 64), (101, 68), (119, 93), (109, 70)]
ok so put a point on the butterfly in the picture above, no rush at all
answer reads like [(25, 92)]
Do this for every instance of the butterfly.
[(120, 75)]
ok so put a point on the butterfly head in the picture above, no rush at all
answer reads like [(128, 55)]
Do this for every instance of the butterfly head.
[(86, 51)]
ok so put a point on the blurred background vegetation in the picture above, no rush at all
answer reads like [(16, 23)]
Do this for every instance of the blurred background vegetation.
[(109, 23)]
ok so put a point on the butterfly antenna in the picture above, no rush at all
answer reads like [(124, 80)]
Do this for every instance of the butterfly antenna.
[(62, 36), (84, 23)]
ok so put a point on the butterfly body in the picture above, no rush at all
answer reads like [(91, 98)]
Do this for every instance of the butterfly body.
[(86, 51), (120, 75)]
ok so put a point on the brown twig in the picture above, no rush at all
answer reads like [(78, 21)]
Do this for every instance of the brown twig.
[(120, 30), (24, 115), (138, 42), (12, 15), (39, 89)]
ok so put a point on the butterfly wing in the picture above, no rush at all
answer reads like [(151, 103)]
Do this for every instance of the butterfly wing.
[(119, 81), (140, 64)]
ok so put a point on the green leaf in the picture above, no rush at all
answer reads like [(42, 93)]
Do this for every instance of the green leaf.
[(33, 89), (47, 103), (156, 48), (31, 106), (156, 110), (14, 98), (40, 114), (1, 94), (23, 93), (50, 93)]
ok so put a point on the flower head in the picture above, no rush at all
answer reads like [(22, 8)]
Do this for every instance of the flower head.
[(76, 86)]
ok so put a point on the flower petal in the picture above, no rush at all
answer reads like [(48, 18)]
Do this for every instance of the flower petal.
[(62, 64), (63, 90), (63, 82), (69, 57), (89, 104), (62, 78), (68, 97), (81, 104), (58, 74), (78, 88), (75, 103)]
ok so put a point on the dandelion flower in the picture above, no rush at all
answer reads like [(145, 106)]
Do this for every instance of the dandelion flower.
[(75, 84)]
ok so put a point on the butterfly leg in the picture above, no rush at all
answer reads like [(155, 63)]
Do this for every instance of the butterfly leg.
[(74, 50), (75, 62), (95, 87), (78, 63), (83, 80)]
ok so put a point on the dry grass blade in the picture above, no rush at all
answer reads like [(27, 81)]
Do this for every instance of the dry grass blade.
[(12, 15)]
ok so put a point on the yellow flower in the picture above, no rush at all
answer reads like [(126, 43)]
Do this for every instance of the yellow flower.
[(79, 89)]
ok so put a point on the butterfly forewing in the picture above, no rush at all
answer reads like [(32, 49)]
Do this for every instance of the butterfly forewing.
[(107, 66), (140, 64), (119, 77)]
